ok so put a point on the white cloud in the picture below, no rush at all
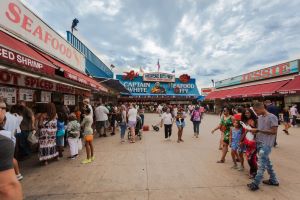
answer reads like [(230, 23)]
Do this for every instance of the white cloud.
[(106, 7)]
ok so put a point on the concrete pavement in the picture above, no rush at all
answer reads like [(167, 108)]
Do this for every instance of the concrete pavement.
[(161, 170)]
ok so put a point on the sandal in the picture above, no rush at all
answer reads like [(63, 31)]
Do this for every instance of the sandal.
[(220, 161), (269, 182)]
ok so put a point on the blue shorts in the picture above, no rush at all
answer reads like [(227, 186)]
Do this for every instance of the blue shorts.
[(180, 124), (60, 141), (234, 145)]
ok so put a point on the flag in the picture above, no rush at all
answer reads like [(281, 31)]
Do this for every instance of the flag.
[(141, 70), (173, 72), (158, 65)]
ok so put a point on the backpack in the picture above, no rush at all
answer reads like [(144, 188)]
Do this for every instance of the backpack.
[(196, 116), (119, 118)]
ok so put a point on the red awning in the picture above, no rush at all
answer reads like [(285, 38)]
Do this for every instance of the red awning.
[(266, 89), (75, 75), (18, 52), (291, 87)]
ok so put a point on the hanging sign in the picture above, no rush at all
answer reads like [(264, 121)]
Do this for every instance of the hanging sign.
[(26, 95), (45, 97), (9, 95), (159, 77)]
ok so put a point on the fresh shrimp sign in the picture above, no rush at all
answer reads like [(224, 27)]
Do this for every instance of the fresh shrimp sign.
[(19, 20)]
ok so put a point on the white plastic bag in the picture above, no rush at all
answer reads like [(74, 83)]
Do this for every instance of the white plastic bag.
[(79, 144), (32, 138)]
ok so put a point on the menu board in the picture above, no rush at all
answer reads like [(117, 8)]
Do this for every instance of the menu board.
[(26, 95), (9, 95), (45, 97), (69, 100)]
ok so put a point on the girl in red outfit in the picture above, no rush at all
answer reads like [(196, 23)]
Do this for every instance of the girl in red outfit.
[(250, 119)]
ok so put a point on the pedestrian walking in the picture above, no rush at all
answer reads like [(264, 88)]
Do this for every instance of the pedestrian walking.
[(250, 120), (86, 125), (47, 124), (167, 121), (224, 127), (180, 123), (122, 122), (286, 120), (73, 133), (294, 113), (234, 142), (12, 125), (101, 113), (132, 117), (196, 119), (60, 133), (267, 125)]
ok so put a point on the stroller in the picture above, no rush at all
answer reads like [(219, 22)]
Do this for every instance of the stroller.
[(138, 128)]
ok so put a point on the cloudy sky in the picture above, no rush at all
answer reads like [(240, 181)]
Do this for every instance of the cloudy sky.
[(208, 39)]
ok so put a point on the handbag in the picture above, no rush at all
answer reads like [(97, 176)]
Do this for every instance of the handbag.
[(32, 138)]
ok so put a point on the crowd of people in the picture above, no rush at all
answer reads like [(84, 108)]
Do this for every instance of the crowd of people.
[(251, 132), (51, 128)]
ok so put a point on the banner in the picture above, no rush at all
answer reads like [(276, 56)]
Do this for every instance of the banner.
[(9, 95), (269, 72)]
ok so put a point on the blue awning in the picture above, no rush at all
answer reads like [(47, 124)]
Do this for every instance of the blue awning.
[(95, 71)]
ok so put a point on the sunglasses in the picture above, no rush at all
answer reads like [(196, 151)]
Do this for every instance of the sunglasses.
[(4, 108)]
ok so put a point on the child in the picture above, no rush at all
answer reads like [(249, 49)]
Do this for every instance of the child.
[(235, 136), (86, 124), (73, 130), (60, 133)]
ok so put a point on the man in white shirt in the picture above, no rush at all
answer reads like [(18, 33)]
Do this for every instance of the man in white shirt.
[(159, 109), (101, 113), (167, 120), (294, 113)]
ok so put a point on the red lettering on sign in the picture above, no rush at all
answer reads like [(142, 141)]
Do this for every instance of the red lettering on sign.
[(38, 30), (54, 43), (27, 22), (15, 11)]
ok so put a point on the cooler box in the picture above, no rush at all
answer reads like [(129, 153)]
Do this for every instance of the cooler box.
[(145, 128)]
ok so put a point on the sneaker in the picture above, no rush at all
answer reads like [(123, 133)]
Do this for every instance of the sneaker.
[(73, 157), (93, 158), (252, 186), (269, 182), (241, 169), (19, 177), (86, 161), (234, 167)]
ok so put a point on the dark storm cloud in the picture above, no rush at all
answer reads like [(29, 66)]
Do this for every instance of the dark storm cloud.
[(208, 39)]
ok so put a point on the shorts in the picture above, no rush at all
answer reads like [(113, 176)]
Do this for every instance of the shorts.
[(131, 124), (88, 138), (180, 124), (99, 125), (242, 149), (234, 146), (60, 141)]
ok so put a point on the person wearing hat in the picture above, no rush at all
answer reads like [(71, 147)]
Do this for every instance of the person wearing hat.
[(10, 187)]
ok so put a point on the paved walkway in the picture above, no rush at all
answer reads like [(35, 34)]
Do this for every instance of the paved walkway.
[(161, 170)]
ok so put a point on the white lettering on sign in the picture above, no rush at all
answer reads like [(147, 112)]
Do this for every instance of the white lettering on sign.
[(18, 19)]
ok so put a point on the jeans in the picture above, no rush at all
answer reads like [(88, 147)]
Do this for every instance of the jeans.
[(168, 130), (196, 126), (264, 163), (123, 129), (24, 147), (143, 118)]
